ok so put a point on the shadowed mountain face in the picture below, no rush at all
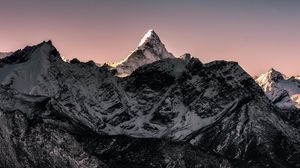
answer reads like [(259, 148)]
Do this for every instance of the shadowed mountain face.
[(174, 112)]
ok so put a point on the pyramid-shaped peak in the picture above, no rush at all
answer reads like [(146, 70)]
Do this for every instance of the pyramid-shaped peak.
[(274, 74), (271, 75), (150, 49), (272, 70), (149, 36)]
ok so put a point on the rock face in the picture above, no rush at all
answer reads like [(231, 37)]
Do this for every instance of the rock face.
[(173, 112), (150, 49)]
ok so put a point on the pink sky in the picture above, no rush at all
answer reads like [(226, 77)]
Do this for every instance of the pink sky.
[(259, 35)]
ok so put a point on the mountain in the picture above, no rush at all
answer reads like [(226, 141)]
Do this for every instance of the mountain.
[(24, 69), (150, 49), (174, 112), (4, 54), (283, 91)]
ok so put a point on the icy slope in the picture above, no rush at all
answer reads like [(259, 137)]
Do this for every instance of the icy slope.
[(150, 49)]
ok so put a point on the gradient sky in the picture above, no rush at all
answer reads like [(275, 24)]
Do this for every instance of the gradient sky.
[(259, 34)]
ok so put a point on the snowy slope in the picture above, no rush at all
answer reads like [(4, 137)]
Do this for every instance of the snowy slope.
[(150, 49), (281, 90)]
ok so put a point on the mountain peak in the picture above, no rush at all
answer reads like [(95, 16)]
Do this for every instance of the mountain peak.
[(271, 76), (272, 70), (25, 68), (275, 75), (150, 49), (282, 91), (149, 36)]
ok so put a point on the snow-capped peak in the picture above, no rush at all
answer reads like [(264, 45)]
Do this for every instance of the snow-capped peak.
[(150, 35), (271, 75), (276, 75), (150, 49), (281, 90)]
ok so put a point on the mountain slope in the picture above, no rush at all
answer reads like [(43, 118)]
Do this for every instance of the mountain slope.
[(33, 135), (150, 49), (25, 68), (187, 113), (27, 141)]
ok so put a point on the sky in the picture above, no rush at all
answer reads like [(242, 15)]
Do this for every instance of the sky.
[(259, 34)]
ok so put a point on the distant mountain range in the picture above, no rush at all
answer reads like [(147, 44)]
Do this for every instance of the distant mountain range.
[(162, 112)]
